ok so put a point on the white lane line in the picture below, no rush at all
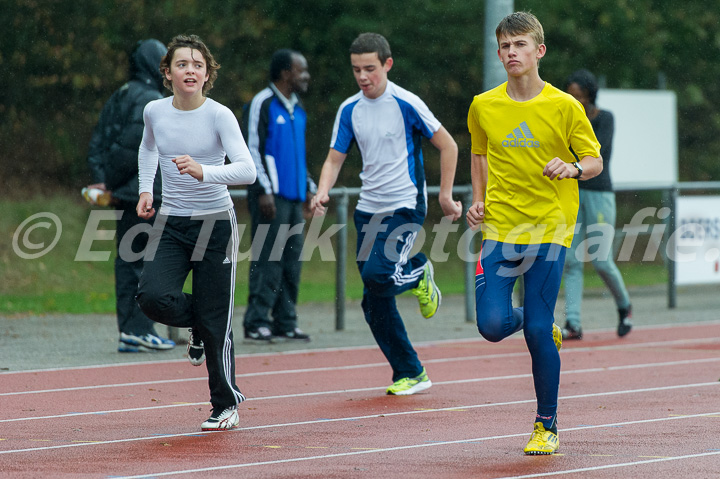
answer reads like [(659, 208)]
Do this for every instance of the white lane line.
[(103, 386), (368, 365), (612, 466), (264, 374), (237, 356), (443, 443), (478, 339), (389, 414), (356, 390)]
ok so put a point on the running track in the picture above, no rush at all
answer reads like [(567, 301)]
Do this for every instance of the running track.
[(646, 406)]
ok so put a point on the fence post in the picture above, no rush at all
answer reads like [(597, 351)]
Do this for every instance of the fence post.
[(341, 262), (670, 197), (469, 267)]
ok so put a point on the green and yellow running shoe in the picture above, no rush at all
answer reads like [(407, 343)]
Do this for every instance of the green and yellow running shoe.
[(427, 292), (557, 336), (542, 441), (407, 386)]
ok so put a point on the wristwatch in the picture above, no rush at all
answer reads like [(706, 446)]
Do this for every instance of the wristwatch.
[(579, 168)]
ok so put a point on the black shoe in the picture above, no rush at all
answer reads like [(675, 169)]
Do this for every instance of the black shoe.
[(260, 335), (195, 348), (624, 325), (296, 334), (569, 332)]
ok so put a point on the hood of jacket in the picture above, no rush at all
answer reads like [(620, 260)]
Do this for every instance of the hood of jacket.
[(145, 63)]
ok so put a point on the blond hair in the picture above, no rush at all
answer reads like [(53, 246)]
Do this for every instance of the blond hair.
[(521, 23)]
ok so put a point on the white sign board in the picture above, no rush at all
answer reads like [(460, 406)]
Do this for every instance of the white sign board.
[(645, 150), (697, 240)]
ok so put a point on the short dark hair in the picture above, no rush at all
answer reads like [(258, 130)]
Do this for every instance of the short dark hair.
[(371, 43), (280, 62), (586, 81), (192, 42)]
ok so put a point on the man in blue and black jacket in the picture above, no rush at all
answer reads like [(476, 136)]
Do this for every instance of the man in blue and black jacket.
[(274, 126)]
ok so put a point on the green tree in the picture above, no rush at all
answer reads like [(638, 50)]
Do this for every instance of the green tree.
[(65, 58)]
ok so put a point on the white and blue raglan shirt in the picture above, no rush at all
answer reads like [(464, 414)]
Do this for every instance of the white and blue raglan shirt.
[(388, 131)]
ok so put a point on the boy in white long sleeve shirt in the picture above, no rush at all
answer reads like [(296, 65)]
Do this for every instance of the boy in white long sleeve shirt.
[(188, 135)]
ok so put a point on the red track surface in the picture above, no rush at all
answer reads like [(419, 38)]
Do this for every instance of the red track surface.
[(644, 406)]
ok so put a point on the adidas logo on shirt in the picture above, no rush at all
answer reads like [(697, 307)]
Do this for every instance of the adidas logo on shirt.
[(521, 137), (227, 260), (280, 120)]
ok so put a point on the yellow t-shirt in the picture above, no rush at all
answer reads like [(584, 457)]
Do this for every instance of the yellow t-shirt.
[(519, 138)]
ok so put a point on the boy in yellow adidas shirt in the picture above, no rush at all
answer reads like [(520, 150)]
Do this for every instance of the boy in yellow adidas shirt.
[(525, 197)]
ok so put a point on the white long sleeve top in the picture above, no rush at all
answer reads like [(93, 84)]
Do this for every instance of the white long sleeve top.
[(207, 134)]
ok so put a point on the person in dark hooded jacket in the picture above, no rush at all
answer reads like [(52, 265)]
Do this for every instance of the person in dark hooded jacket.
[(113, 162)]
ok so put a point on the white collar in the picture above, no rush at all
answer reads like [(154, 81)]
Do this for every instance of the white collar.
[(288, 103)]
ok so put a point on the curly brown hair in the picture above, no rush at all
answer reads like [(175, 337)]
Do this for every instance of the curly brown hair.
[(194, 43)]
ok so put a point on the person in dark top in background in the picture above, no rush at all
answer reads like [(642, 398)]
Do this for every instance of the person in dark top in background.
[(596, 219), (274, 125), (112, 158)]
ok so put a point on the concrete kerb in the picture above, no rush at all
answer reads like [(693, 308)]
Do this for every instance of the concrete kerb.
[(30, 342)]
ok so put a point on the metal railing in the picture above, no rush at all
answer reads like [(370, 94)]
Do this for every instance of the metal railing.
[(341, 197), (342, 201), (672, 195)]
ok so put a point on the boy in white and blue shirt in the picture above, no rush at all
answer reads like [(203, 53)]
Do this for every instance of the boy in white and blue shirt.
[(388, 123)]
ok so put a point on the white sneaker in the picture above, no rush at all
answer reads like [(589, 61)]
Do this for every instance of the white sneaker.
[(260, 335), (149, 341), (227, 419), (195, 349)]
